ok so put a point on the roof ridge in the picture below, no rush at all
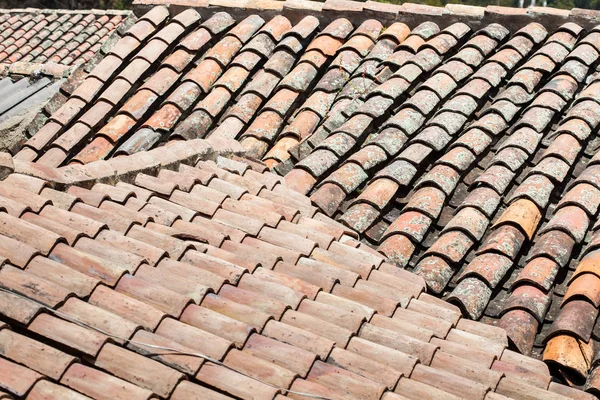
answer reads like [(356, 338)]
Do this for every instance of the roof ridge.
[(410, 13), (65, 11)]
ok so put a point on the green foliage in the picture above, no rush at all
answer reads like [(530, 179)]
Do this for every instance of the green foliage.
[(69, 4), (566, 4), (115, 4)]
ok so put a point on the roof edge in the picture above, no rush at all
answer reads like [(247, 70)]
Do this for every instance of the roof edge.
[(357, 12), (63, 11)]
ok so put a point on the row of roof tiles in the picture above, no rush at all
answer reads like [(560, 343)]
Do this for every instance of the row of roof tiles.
[(567, 66), (387, 13), (223, 260), (44, 36)]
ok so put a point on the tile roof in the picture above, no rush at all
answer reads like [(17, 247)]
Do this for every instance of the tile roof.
[(53, 40), (182, 274), (466, 156)]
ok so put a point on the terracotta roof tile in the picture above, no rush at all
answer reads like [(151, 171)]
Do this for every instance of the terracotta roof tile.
[(17, 379), (442, 151)]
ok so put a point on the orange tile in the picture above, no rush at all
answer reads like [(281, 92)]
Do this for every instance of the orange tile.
[(568, 352), (522, 213)]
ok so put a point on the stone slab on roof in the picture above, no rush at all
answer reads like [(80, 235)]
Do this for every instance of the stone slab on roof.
[(22, 100)]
